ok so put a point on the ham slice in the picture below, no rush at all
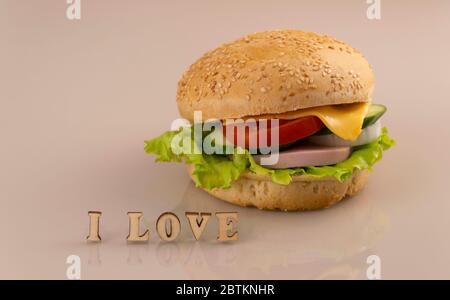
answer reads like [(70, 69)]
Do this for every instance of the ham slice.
[(306, 154)]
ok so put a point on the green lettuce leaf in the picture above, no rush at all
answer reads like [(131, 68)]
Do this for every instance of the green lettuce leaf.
[(219, 171)]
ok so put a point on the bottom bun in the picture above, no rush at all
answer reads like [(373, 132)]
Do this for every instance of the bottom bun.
[(303, 193)]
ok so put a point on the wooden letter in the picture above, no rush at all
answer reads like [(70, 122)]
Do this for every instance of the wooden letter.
[(168, 226), (94, 226), (133, 232), (227, 226), (197, 222)]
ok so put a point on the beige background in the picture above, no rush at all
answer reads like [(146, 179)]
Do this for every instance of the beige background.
[(79, 97)]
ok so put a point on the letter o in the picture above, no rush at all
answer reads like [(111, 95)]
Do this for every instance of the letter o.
[(168, 226)]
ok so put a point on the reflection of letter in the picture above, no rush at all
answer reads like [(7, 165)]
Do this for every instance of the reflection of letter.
[(94, 255), (227, 224), (197, 225), (94, 226), (134, 255), (168, 226), (133, 232), (168, 254)]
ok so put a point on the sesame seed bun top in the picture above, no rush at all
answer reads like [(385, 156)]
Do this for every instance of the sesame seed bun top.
[(274, 72)]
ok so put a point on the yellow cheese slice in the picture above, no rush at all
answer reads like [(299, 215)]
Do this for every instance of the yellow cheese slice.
[(344, 120)]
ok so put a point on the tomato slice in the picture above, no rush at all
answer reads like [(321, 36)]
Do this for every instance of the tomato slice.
[(294, 130), (289, 131)]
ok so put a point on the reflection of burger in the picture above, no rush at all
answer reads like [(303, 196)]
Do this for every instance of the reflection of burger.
[(312, 249), (319, 89)]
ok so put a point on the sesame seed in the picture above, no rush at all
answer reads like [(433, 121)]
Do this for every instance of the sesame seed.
[(219, 68)]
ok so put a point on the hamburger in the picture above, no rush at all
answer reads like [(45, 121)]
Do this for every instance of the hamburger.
[(310, 97)]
